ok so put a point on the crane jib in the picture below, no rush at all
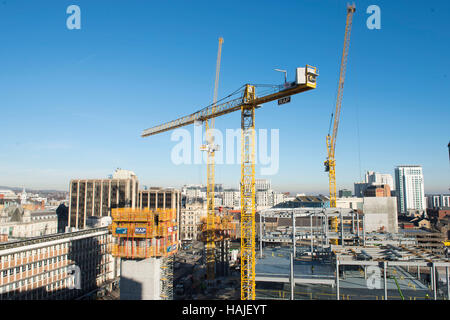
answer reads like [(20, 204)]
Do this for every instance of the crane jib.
[(224, 108)]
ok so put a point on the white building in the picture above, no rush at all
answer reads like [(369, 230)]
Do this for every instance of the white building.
[(350, 203), (375, 178), (19, 223), (263, 199), (409, 188), (262, 185), (190, 219), (277, 198), (268, 199), (231, 198)]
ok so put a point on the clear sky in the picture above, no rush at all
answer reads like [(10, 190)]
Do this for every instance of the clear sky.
[(74, 102)]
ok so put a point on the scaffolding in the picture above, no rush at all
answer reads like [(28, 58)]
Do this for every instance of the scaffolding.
[(167, 278), (223, 229)]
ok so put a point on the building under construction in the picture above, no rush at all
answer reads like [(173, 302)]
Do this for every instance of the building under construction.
[(298, 260), (145, 240), (224, 230)]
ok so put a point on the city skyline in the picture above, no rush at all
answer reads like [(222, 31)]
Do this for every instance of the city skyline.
[(76, 101)]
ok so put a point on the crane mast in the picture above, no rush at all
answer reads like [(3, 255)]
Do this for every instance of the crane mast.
[(330, 163), (210, 148), (247, 103)]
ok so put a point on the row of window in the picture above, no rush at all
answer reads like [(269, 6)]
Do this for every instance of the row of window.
[(35, 265), (15, 286), (34, 279), (76, 246), (34, 252)]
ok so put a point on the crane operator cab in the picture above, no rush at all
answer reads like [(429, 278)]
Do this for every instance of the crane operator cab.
[(306, 76), (327, 166)]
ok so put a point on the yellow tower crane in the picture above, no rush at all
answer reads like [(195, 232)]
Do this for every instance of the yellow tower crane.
[(330, 163), (210, 148), (246, 101)]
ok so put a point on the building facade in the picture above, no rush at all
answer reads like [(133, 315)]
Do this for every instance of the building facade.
[(410, 188), (378, 191), (231, 198), (96, 197), (438, 200), (161, 198), (262, 185), (61, 266), (360, 187), (17, 223), (344, 193), (190, 220)]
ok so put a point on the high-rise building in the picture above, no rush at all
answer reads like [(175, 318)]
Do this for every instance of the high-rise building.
[(375, 178), (96, 197), (409, 188)]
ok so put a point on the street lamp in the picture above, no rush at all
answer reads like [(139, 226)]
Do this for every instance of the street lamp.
[(285, 74)]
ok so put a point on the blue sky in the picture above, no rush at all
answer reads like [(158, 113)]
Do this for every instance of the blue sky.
[(74, 102)]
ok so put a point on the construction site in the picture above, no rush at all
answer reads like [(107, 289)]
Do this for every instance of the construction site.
[(316, 253), (305, 264)]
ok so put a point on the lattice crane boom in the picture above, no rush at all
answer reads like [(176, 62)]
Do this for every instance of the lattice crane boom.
[(232, 105), (330, 163), (331, 140), (210, 148)]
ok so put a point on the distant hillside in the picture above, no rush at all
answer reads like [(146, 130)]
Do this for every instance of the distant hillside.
[(31, 190)]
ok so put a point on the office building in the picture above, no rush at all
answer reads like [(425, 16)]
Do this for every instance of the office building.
[(47, 267), (410, 189), (96, 197)]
